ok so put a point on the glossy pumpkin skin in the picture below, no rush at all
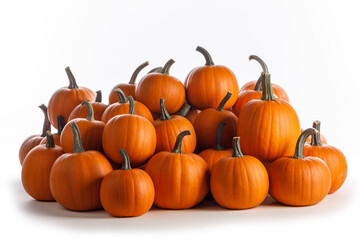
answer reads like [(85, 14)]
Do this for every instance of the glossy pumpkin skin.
[(212, 156), (243, 98), (81, 111), (117, 108), (28, 144), (192, 115), (278, 90)]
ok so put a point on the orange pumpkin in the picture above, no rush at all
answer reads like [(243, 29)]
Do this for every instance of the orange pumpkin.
[(56, 136), (75, 178), (91, 132), (181, 180), (127, 88), (34, 140), (207, 85), (332, 156), (208, 120), (169, 127), (189, 112), (35, 172), (268, 127), (81, 111), (239, 181), (213, 155), (122, 107), (131, 132), (309, 139), (127, 192), (154, 86), (65, 99)]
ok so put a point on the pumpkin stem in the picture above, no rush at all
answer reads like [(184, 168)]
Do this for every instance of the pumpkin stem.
[(179, 139), (184, 110), (267, 92), (49, 140), (166, 68), (60, 124), (136, 72), (164, 115), (236, 148), (223, 102), (121, 95), (78, 147), (98, 96), (316, 139), (206, 54), (299, 150), (90, 116), (219, 133), (264, 68), (126, 160), (155, 70), (71, 77), (46, 124), (131, 105)]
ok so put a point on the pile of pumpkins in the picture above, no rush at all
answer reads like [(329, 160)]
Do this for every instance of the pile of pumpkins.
[(171, 144)]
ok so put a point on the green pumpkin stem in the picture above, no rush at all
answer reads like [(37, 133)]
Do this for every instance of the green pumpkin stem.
[(155, 70), (166, 68), (206, 54), (164, 115), (131, 105), (49, 140), (125, 160), (224, 101), (46, 124), (236, 148), (78, 147), (98, 96), (299, 149), (264, 67), (267, 92), (219, 134), (184, 110), (179, 139), (90, 116), (60, 124), (121, 95), (136, 72), (71, 77), (316, 139)]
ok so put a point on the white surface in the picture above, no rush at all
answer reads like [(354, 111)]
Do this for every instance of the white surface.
[(311, 48)]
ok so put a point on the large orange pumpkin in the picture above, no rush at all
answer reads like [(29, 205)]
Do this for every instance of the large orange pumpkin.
[(56, 136), (332, 156), (299, 180), (207, 85), (181, 180), (65, 99), (239, 181)]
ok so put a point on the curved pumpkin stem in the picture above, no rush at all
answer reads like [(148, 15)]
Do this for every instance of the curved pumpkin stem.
[(236, 148), (179, 139), (131, 105), (299, 150), (78, 147), (126, 161), (60, 124), (49, 140), (206, 54), (98, 96), (224, 101), (136, 72), (46, 124), (164, 114), (90, 116), (219, 134), (166, 68), (267, 92), (264, 67), (121, 95), (155, 70), (316, 139), (71, 77), (184, 110)]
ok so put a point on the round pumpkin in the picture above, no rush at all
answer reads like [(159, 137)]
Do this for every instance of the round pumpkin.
[(207, 85), (56, 136), (189, 112)]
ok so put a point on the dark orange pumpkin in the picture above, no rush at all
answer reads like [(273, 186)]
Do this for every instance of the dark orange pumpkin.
[(65, 99), (208, 120), (91, 132), (268, 127), (127, 192), (189, 112), (299, 180), (131, 132), (239, 181), (154, 86), (127, 88), (34, 140), (35, 172), (56, 136), (181, 180), (207, 85), (332, 156)]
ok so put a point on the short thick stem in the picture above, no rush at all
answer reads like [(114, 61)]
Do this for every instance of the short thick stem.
[(90, 116), (71, 77), (166, 68), (125, 160), (224, 101), (184, 110), (179, 139), (219, 134), (78, 147), (136, 72), (155, 70), (206, 54), (121, 95), (164, 115), (316, 138), (98, 96), (236, 147), (60, 124), (50, 143), (299, 150), (131, 105), (46, 124), (267, 92)]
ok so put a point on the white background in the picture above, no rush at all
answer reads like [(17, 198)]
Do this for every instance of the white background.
[(311, 48)]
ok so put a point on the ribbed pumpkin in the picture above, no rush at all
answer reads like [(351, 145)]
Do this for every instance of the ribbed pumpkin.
[(75, 178), (208, 120), (91, 132), (81, 111), (207, 85), (65, 99), (189, 112), (181, 180), (332, 156), (169, 127), (56, 136), (299, 180), (35, 172), (239, 181), (154, 86), (34, 140), (127, 192), (127, 88), (131, 132), (122, 107), (268, 127)]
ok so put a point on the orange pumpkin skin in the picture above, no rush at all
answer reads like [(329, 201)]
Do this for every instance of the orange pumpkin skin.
[(243, 98), (212, 156), (192, 115), (56, 140), (117, 108), (82, 111), (278, 90), (27, 145)]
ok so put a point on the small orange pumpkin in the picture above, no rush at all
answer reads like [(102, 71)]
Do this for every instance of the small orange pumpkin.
[(56, 136)]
